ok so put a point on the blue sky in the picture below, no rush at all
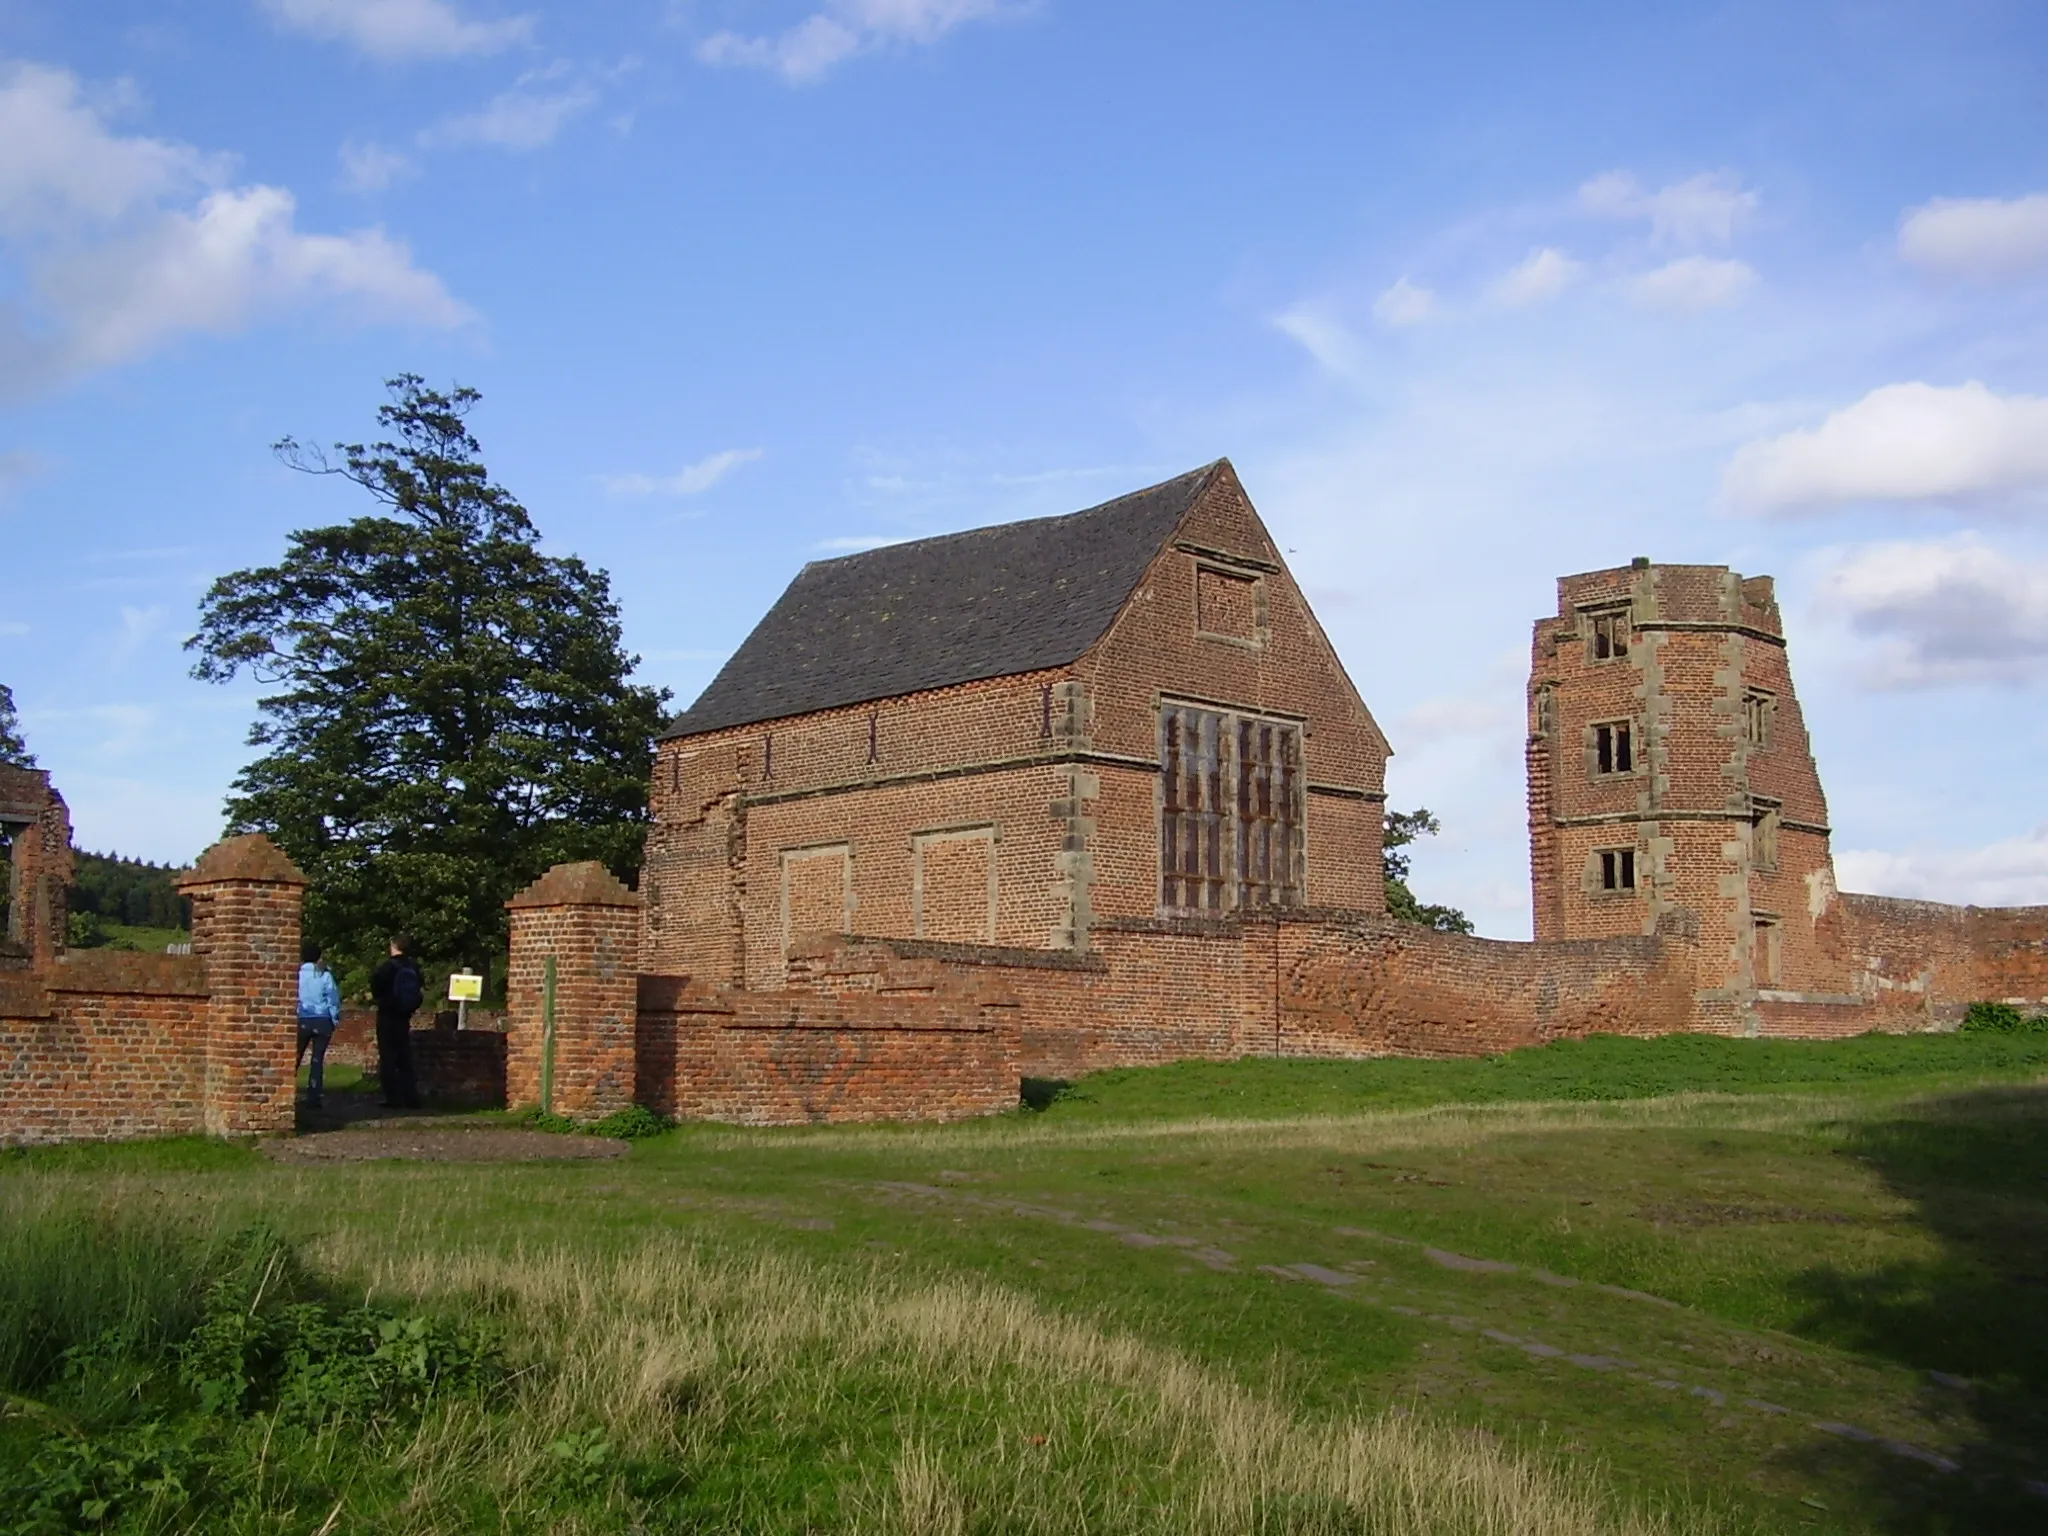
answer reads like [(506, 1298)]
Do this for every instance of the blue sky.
[(1473, 295)]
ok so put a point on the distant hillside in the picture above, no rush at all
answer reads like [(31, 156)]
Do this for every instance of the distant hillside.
[(127, 892)]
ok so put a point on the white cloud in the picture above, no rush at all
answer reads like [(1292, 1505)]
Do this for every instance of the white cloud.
[(2010, 873), (1986, 238), (525, 117), (1941, 611), (372, 167), (688, 481), (1545, 273), (1324, 337), (1701, 210), (1404, 303), (1694, 283), (1903, 442), (127, 242), (13, 627), (401, 29), (62, 171), (811, 49)]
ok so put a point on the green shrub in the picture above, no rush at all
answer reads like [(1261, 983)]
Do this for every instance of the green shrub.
[(2001, 1019), (633, 1123)]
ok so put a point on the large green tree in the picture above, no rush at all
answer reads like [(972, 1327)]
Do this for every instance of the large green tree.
[(1402, 829), (452, 710), (13, 750)]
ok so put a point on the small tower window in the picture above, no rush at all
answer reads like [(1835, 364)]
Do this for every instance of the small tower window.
[(1610, 633), (1614, 750), (1759, 710), (1617, 869)]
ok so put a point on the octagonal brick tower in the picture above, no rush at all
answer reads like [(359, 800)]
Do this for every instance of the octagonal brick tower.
[(1669, 771)]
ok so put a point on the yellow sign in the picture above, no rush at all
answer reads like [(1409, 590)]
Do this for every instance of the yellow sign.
[(465, 987)]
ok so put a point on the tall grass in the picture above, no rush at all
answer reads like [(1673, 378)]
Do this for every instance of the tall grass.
[(68, 1277), (789, 1397)]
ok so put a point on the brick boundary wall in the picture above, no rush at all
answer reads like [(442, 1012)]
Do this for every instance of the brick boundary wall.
[(460, 1068), (581, 918), (860, 1034), (101, 1045), (1310, 984)]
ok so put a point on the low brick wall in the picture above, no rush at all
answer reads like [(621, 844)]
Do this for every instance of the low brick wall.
[(1336, 984), (1370, 986), (1920, 964), (892, 1045), (103, 1045), (462, 1068)]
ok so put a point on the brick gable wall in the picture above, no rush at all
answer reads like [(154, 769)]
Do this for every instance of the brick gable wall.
[(1020, 811)]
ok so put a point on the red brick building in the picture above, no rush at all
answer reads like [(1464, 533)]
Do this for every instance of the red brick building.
[(1009, 736)]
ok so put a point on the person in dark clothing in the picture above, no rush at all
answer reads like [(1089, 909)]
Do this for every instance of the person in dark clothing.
[(399, 989)]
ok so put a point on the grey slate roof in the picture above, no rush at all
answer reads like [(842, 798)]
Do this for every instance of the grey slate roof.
[(991, 602)]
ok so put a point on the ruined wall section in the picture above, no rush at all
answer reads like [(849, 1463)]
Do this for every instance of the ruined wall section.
[(39, 869), (1723, 812)]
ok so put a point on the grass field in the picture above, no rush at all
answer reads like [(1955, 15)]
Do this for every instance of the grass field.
[(1687, 1285), (150, 941)]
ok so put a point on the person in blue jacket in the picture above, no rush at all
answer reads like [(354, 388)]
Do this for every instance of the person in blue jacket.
[(319, 1013)]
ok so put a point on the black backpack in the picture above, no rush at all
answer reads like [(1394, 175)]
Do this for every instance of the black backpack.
[(406, 991)]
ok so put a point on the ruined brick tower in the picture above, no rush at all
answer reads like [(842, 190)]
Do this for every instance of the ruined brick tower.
[(1670, 774)]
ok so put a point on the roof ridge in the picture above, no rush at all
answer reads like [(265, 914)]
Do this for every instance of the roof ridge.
[(1017, 522)]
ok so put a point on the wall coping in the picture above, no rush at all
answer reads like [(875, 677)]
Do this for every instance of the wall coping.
[(126, 973), (249, 859), (24, 998), (584, 884)]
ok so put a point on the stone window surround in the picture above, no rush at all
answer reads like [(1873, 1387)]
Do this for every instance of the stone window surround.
[(1627, 739), (1759, 715), (1597, 625), (1767, 955), (1767, 819), (1628, 859), (1226, 832)]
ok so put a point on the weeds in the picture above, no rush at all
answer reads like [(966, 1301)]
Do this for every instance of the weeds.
[(2002, 1019), (635, 1122), (150, 1421)]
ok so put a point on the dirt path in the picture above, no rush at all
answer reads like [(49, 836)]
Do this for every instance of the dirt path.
[(355, 1128)]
